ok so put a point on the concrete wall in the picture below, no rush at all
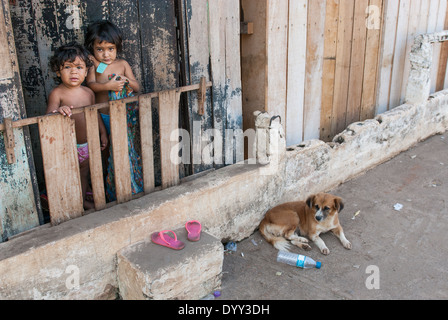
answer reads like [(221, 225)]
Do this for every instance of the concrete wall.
[(77, 259)]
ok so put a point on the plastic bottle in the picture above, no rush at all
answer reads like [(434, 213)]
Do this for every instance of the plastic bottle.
[(297, 260)]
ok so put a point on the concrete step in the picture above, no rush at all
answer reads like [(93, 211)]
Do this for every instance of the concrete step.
[(147, 271)]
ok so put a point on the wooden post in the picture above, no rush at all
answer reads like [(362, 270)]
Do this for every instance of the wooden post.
[(119, 143), (9, 141), (145, 114), (95, 162), (169, 121)]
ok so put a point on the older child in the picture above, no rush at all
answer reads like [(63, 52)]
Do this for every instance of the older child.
[(71, 63), (111, 78)]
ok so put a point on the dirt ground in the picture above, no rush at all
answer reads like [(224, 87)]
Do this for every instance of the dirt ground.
[(396, 254)]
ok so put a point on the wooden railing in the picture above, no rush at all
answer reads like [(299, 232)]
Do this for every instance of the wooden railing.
[(59, 154)]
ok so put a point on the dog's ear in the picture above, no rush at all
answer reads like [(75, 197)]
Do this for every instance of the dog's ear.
[(310, 201), (339, 204)]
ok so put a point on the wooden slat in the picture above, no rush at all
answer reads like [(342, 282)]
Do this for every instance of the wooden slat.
[(329, 68), (9, 141), (314, 64), (226, 69), (441, 73), (253, 61), (145, 114), (391, 8), (61, 167), (439, 62), (399, 54), (219, 22), (414, 21), (277, 42), (95, 162), (371, 66), (297, 36), (119, 142), (168, 123), (355, 89), (343, 56), (197, 66)]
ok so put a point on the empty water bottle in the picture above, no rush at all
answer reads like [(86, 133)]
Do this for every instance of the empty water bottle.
[(297, 260)]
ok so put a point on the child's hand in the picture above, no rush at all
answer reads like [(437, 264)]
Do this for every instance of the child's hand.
[(65, 111), (115, 84), (104, 141)]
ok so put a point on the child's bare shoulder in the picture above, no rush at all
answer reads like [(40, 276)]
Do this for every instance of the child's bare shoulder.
[(57, 91), (122, 63), (87, 92)]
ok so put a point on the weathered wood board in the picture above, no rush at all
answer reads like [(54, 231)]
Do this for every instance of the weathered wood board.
[(61, 167)]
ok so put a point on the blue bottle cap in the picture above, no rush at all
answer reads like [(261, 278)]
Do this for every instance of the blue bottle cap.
[(101, 67), (318, 265)]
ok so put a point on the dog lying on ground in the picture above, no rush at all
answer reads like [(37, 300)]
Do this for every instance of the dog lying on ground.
[(318, 214)]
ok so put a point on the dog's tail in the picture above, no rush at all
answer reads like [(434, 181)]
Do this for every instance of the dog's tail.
[(274, 236)]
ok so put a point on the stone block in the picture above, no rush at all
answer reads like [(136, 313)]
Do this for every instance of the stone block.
[(147, 271)]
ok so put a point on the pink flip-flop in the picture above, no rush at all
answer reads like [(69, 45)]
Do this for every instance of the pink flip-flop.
[(194, 230), (163, 239)]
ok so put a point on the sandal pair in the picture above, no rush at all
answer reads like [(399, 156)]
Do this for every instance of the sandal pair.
[(164, 239)]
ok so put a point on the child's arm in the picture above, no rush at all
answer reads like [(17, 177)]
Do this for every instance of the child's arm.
[(103, 133), (129, 75), (54, 104), (111, 85)]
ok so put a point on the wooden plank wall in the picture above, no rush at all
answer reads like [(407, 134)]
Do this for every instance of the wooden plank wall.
[(356, 65)]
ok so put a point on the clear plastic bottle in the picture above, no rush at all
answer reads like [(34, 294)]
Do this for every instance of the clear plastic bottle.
[(297, 260)]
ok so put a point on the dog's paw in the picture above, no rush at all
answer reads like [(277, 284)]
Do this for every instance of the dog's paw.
[(325, 251), (306, 247), (302, 240), (347, 245), (301, 244)]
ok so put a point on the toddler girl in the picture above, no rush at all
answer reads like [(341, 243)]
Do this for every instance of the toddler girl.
[(111, 78), (71, 63)]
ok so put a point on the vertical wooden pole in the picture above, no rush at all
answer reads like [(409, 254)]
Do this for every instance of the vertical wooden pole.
[(145, 114), (95, 162), (119, 141)]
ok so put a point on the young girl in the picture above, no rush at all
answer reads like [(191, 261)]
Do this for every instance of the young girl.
[(71, 63), (111, 78)]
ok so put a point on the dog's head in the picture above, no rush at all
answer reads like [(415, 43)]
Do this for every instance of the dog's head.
[(324, 205)]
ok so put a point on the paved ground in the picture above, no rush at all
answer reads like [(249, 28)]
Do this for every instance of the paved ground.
[(407, 249)]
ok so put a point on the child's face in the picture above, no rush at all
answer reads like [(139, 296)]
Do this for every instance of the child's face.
[(105, 52), (73, 73)]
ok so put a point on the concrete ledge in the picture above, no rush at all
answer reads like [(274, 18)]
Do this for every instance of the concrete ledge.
[(229, 202), (147, 271)]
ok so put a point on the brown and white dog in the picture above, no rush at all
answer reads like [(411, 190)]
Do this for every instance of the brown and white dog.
[(318, 214)]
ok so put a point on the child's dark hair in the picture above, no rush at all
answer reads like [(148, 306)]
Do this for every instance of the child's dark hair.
[(69, 53), (103, 31)]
